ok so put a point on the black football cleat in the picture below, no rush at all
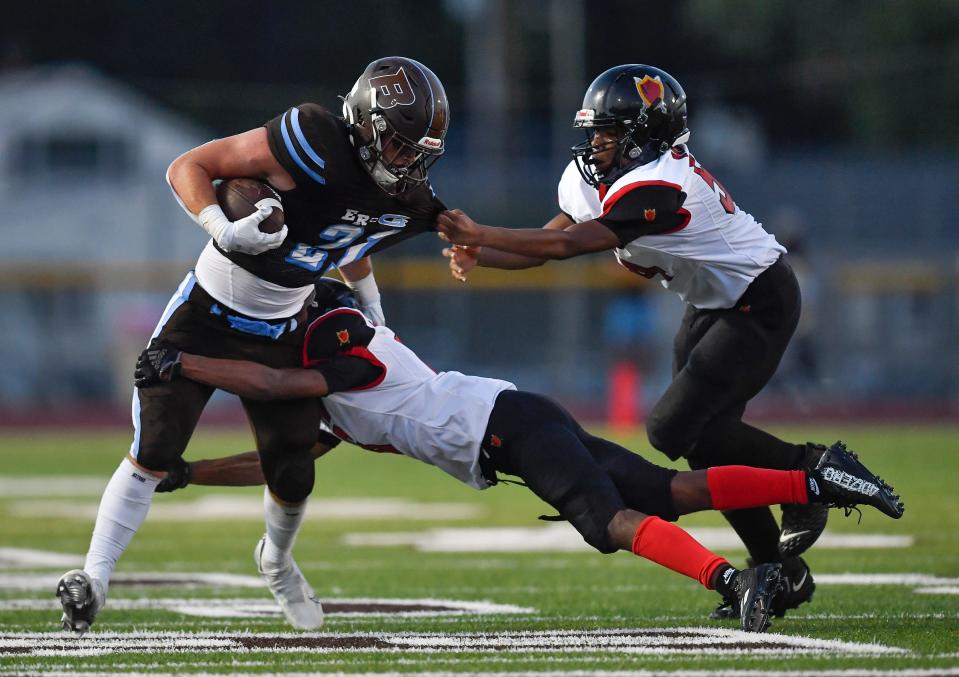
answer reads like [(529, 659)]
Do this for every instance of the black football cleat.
[(840, 480), (802, 525), (797, 588), (755, 589)]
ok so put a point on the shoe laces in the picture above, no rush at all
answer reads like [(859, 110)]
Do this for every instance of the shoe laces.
[(848, 509)]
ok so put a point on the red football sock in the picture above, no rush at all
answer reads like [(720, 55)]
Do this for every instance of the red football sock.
[(739, 486), (664, 543)]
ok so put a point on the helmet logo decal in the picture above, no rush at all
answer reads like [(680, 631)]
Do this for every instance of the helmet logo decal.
[(649, 215), (343, 336), (650, 90), (430, 142), (392, 90)]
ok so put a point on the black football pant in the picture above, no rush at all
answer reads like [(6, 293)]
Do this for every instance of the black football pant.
[(585, 478), (165, 415), (721, 360)]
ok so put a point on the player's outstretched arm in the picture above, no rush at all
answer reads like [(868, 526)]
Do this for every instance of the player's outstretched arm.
[(464, 258), (253, 380), (545, 243), (239, 470)]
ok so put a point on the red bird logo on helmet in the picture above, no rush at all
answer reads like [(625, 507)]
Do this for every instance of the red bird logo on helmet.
[(650, 89)]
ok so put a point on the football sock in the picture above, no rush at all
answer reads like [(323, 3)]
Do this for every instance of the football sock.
[(732, 487), (667, 544), (723, 578), (123, 507), (282, 525)]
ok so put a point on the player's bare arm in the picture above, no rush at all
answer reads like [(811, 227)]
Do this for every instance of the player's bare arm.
[(242, 155), (238, 470), (546, 243), (253, 380), (464, 258)]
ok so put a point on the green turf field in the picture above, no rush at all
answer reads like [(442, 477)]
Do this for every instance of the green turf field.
[(557, 611)]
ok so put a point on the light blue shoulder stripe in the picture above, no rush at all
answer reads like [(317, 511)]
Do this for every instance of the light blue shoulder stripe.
[(296, 156), (295, 119)]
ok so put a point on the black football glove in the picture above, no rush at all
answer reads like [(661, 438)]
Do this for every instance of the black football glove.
[(177, 477), (157, 364)]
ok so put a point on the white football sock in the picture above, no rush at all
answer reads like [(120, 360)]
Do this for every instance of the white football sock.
[(282, 525), (123, 507)]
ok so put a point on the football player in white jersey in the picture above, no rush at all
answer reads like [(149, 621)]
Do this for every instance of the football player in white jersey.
[(635, 188), (377, 393), (350, 186)]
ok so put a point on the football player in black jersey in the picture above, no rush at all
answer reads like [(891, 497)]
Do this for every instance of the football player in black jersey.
[(635, 188), (377, 393), (349, 186)]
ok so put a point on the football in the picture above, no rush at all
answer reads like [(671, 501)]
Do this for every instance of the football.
[(238, 198)]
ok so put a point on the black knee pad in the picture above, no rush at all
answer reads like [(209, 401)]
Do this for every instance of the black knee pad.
[(591, 520), (289, 476)]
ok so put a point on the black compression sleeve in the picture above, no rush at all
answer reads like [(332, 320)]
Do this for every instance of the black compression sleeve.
[(645, 210), (349, 373)]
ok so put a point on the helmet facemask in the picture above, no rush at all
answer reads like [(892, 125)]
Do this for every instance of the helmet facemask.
[(628, 143), (397, 164)]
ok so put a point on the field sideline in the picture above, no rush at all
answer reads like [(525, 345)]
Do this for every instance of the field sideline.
[(421, 574)]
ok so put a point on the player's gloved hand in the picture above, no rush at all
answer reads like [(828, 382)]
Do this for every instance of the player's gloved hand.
[(157, 364), (462, 260), (242, 235), (177, 477)]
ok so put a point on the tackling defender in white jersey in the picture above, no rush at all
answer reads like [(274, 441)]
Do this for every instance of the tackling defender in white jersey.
[(377, 393)]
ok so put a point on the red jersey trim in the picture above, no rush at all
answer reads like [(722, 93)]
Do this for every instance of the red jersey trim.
[(615, 197), (358, 351)]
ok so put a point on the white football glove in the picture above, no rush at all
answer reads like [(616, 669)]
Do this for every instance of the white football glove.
[(242, 235), (368, 294)]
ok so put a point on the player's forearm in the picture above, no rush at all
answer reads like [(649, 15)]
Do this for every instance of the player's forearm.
[(540, 244), (252, 380), (192, 185), (240, 470), (490, 257)]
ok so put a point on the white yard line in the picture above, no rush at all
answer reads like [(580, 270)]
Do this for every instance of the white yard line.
[(220, 507), (851, 672), (651, 642), (253, 608), (562, 537)]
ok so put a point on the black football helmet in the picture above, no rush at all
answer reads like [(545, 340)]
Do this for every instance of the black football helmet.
[(648, 108), (398, 115), (330, 294)]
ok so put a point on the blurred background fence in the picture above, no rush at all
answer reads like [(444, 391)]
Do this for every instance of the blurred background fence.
[(829, 122)]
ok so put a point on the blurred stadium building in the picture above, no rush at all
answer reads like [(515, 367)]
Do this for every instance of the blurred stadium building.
[(93, 243)]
